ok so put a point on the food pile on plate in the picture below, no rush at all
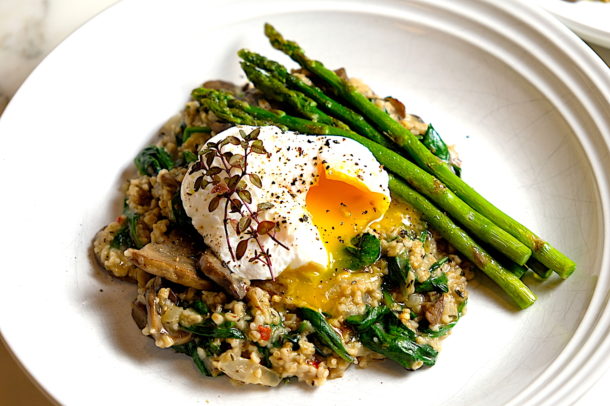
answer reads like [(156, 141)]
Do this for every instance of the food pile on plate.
[(291, 227)]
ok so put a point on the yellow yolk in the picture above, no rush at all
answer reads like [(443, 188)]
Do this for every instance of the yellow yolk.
[(400, 216), (341, 207)]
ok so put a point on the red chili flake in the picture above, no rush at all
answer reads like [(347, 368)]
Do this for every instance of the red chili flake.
[(265, 332), (314, 362)]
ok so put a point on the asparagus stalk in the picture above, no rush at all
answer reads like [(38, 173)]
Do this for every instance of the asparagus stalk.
[(350, 117), (275, 90), (509, 282), (542, 250), (431, 139), (236, 111), (539, 269), (484, 229)]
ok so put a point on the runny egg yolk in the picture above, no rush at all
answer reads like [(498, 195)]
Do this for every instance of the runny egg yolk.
[(341, 208)]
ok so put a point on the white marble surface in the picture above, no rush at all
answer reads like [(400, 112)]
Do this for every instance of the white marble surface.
[(29, 30)]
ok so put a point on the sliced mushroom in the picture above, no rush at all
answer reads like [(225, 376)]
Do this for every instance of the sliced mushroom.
[(154, 327), (399, 108), (139, 313), (434, 311), (216, 270), (222, 85), (172, 261)]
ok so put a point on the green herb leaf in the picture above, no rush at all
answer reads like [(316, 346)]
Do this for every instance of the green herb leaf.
[(243, 224), (256, 180), (214, 203)]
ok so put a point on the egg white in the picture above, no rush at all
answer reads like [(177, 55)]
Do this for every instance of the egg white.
[(287, 172)]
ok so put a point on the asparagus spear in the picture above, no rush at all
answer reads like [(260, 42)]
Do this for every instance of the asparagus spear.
[(236, 111), (542, 250), (539, 269), (350, 117), (431, 139), (509, 282), (420, 179), (275, 90)]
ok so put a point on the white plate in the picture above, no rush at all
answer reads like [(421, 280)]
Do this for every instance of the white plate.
[(526, 102), (589, 19)]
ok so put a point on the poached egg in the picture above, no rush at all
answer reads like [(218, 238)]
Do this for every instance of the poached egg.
[(321, 192)]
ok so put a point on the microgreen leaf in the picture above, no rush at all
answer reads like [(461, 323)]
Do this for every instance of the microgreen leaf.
[(245, 195), (220, 188), (256, 180), (254, 134), (237, 161), (243, 224), (258, 148), (214, 170), (236, 205), (233, 140), (240, 251), (209, 158), (214, 203), (230, 188), (264, 206), (264, 227)]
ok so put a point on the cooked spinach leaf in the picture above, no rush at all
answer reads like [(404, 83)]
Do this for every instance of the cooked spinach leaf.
[(152, 159), (178, 213), (200, 307), (370, 316), (381, 331), (127, 236), (435, 144), (438, 264), (122, 239), (190, 349), (365, 251), (398, 272), (325, 332), (438, 284), (209, 329)]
